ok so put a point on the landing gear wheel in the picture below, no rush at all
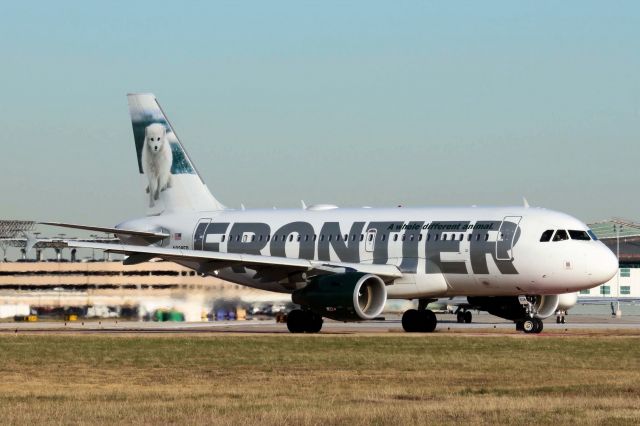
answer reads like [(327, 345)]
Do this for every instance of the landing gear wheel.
[(539, 325), (414, 321), (299, 321), (296, 321), (460, 317), (314, 322), (468, 317), (410, 320), (529, 325), (428, 321)]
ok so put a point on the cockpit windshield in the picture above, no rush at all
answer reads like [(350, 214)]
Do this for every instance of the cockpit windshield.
[(579, 235), (560, 235), (563, 235)]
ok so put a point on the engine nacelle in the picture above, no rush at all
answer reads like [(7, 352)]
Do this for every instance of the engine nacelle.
[(567, 301), (509, 307), (352, 296)]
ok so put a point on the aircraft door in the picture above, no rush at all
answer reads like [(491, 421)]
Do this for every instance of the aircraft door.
[(370, 240), (199, 233), (506, 237)]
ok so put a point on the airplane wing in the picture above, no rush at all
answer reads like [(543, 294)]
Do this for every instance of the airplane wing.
[(270, 268)]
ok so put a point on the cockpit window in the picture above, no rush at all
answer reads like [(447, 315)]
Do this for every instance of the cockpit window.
[(592, 235), (560, 235), (546, 235), (579, 235)]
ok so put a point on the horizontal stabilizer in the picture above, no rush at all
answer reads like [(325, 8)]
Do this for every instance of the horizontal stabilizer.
[(143, 234)]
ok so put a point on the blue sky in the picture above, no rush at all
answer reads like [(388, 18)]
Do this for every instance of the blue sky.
[(353, 103)]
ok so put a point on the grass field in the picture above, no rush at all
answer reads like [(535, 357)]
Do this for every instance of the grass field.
[(384, 379)]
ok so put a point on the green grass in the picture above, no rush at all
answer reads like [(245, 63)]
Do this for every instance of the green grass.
[(283, 379)]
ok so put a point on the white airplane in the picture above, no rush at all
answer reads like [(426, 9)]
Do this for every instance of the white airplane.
[(344, 263)]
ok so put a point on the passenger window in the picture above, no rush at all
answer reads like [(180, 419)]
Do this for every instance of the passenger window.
[(238, 237), (395, 237), (469, 237), (546, 236), (306, 237), (253, 237), (561, 235), (315, 237), (384, 237), (477, 237), (291, 237), (437, 237), (370, 237), (330, 237), (411, 237), (404, 236), (461, 237), (268, 238), (420, 237), (353, 237), (223, 238), (321, 237), (579, 235), (486, 237), (346, 237), (361, 237)]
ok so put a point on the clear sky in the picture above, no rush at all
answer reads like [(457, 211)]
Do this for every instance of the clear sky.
[(347, 102)]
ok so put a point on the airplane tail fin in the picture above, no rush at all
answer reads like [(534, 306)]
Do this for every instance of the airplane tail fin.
[(172, 181)]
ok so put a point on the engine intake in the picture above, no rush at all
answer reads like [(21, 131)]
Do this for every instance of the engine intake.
[(352, 296)]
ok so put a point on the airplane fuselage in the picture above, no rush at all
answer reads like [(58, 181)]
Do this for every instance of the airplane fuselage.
[(440, 251)]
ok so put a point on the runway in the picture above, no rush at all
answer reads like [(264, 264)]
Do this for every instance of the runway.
[(483, 324)]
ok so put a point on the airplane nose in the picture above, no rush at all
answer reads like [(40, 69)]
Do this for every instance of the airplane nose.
[(603, 265)]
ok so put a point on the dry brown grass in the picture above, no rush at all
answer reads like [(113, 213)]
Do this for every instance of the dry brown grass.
[(384, 379)]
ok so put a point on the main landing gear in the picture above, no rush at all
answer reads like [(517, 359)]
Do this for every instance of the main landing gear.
[(421, 320), (299, 321), (530, 325), (464, 317)]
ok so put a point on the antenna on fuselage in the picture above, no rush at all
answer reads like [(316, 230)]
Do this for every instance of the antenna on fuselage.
[(526, 203), (304, 205)]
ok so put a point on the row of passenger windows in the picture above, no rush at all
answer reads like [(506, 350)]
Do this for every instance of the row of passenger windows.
[(338, 237), (562, 235)]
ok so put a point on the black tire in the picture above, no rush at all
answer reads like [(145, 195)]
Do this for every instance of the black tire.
[(410, 321), (296, 321), (460, 317), (529, 325), (539, 325), (562, 320), (519, 325), (468, 317), (428, 321), (558, 319), (314, 322)]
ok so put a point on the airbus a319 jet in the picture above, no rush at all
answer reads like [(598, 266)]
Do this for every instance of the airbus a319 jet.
[(345, 263)]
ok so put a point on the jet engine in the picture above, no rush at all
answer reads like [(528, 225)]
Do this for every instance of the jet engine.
[(509, 307), (351, 296)]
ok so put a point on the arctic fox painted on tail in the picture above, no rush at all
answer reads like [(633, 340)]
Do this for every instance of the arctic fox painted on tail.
[(156, 161)]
